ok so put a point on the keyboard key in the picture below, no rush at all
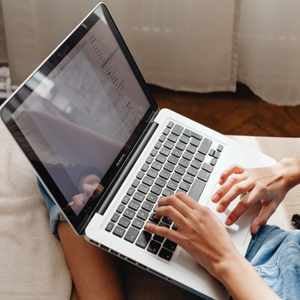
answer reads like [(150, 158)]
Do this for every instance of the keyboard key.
[(180, 146), (220, 148), (143, 214), (130, 191), (124, 222), (119, 231), (147, 206), (138, 223), (156, 190), (140, 175), (187, 155), (176, 177), (154, 247), (157, 166), (158, 238), (161, 182), (167, 220), (143, 188), (177, 153), (211, 152), (173, 138), (172, 185), (180, 170), (131, 234), (139, 196), (154, 219), (184, 139), (188, 178), (165, 151), (158, 145), (165, 254), (195, 142), (203, 175), (170, 124), (115, 217), (134, 205), (129, 213), (177, 129), (109, 227), (162, 138), (135, 183), (148, 180), (207, 167), (152, 173), (187, 132), (167, 192), (204, 148), (143, 239), (125, 200), (165, 174), (217, 154), (213, 162), (121, 208), (152, 198), (192, 171), (150, 159), (169, 145), (197, 189), (185, 186), (196, 164), (166, 131), (196, 136), (199, 156), (161, 158), (184, 163), (171, 246), (192, 149), (145, 167), (173, 159), (169, 167)]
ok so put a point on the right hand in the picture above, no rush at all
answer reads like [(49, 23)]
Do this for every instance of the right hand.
[(264, 186)]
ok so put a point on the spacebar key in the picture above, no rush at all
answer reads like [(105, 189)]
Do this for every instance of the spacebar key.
[(197, 189)]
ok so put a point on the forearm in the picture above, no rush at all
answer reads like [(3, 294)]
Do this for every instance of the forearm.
[(290, 171), (242, 281)]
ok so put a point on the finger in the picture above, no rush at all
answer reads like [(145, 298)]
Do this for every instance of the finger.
[(172, 213), (238, 189), (230, 171), (262, 218), (191, 203), (230, 182), (172, 235), (176, 203), (243, 206)]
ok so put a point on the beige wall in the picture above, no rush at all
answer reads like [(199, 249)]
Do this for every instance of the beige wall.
[(3, 55)]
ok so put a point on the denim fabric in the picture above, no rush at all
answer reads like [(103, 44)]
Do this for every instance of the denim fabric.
[(275, 254)]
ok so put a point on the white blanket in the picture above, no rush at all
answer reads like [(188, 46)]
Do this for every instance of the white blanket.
[(31, 261)]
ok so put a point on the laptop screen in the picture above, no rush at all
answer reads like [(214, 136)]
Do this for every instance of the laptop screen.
[(80, 110)]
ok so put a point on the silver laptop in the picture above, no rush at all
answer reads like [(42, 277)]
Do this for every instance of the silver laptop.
[(105, 153)]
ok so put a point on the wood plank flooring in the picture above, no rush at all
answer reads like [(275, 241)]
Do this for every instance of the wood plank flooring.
[(240, 113)]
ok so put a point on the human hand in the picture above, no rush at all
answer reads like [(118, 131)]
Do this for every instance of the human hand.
[(198, 231), (264, 186), (88, 186)]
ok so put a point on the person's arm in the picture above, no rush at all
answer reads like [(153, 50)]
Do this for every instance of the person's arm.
[(94, 272), (264, 186), (201, 234)]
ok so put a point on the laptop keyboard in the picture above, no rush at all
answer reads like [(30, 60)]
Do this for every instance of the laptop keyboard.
[(181, 161)]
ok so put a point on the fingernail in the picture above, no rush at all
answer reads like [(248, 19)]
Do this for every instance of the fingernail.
[(228, 222), (220, 208), (215, 198)]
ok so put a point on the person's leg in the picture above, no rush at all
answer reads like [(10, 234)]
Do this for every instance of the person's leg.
[(94, 272)]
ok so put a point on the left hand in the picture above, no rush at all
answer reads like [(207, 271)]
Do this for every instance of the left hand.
[(198, 231)]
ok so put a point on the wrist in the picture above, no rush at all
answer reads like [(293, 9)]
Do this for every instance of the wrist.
[(290, 169)]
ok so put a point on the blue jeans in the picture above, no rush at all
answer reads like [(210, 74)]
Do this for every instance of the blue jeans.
[(273, 252)]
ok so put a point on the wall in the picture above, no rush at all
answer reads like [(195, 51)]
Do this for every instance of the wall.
[(3, 55)]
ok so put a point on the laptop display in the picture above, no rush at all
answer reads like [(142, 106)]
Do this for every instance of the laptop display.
[(79, 111)]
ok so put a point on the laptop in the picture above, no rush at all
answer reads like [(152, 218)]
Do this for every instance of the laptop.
[(105, 153)]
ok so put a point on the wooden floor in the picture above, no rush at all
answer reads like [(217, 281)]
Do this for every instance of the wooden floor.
[(242, 113)]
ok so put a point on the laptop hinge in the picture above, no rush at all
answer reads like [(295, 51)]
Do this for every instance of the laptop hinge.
[(129, 162)]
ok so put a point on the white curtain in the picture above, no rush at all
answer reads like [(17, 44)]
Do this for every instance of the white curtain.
[(269, 50)]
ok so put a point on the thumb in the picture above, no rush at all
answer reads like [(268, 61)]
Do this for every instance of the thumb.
[(262, 218)]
